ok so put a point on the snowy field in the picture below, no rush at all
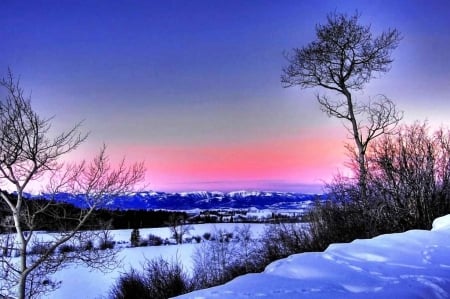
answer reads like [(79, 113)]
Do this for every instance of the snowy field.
[(79, 282), (414, 264)]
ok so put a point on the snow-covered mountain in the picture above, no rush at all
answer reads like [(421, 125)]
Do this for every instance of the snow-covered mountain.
[(199, 200)]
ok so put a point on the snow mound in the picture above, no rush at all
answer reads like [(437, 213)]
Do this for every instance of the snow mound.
[(442, 223), (414, 264)]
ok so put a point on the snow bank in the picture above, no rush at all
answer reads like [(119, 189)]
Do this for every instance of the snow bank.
[(414, 264)]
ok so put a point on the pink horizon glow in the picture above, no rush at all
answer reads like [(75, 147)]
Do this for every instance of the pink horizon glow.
[(283, 164)]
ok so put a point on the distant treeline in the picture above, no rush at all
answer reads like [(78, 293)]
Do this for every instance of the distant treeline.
[(60, 216), (139, 218), (63, 216)]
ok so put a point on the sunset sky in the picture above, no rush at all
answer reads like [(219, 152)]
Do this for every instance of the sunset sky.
[(193, 87)]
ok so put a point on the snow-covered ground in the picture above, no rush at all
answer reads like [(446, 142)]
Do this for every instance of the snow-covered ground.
[(414, 264), (79, 282)]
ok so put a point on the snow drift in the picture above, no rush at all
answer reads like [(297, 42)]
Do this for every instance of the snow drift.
[(414, 264)]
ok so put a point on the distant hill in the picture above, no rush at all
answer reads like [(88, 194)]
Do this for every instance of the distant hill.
[(203, 200)]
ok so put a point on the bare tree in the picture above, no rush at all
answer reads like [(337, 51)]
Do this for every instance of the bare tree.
[(27, 153), (344, 57), (178, 227)]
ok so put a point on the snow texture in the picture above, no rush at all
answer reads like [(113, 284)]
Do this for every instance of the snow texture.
[(414, 264)]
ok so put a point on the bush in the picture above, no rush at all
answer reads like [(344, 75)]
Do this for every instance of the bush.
[(66, 248), (106, 241), (40, 248), (219, 260), (159, 280), (154, 240), (212, 260), (197, 239), (130, 285), (226, 237), (107, 244), (336, 223), (410, 177), (166, 279), (281, 240), (89, 245), (207, 236), (143, 243)]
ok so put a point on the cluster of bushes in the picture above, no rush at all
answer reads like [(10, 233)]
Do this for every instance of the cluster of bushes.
[(41, 247), (152, 240), (104, 242)]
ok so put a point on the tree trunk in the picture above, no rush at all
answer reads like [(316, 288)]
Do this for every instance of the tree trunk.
[(23, 263), (22, 285), (23, 246), (362, 179)]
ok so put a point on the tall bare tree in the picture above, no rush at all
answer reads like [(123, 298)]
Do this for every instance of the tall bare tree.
[(27, 153), (343, 58)]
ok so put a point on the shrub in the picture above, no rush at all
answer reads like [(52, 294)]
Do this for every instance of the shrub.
[(207, 236), (106, 241), (219, 260), (336, 223), (66, 248), (159, 280), (211, 263), (410, 176), (130, 285), (143, 243), (166, 279), (281, 240), (40, 248), (226, 237), (106, 244), (89, 245), (154, 240)]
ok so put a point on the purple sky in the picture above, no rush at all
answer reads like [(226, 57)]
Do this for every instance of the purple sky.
[(193, 87)]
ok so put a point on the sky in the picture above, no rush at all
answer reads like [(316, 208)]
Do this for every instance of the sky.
[(192, 88)]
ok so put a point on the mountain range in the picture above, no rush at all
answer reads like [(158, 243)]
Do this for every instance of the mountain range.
[(203, 200)]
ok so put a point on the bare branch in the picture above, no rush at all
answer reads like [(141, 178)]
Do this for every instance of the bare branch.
[(382, 118)]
